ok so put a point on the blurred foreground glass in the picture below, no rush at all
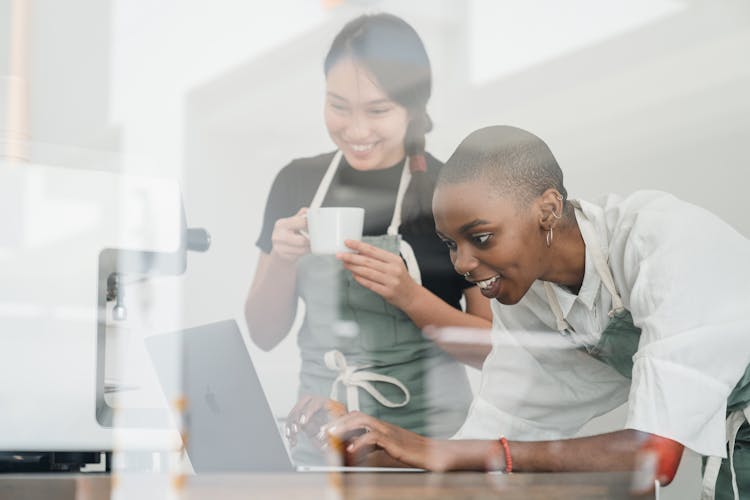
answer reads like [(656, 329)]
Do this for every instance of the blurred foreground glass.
[(90, 265)]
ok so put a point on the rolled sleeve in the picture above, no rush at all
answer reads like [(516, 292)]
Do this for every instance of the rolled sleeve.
[(689, 295), (679, 403)]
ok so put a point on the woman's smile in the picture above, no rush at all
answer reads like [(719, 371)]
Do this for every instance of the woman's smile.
[(490, 287), (360, 150)]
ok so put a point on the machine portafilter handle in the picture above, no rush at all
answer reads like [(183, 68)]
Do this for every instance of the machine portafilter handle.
[(197, 239)]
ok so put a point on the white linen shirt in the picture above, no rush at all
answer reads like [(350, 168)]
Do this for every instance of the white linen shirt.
[(684, 275)]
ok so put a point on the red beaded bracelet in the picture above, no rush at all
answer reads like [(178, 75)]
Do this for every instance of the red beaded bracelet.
[(493, 459), (508, 459)]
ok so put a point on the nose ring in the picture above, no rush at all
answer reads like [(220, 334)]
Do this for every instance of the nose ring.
[(467, 274)]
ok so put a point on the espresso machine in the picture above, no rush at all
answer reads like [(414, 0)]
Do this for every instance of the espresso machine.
[(90, 263)]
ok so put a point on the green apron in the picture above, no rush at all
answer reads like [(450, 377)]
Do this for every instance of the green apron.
[(617, 346), (390, 370)]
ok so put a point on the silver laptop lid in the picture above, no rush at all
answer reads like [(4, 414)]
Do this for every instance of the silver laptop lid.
[(228, 423)]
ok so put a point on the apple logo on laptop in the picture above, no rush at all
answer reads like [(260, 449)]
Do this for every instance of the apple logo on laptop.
[(211, 401)]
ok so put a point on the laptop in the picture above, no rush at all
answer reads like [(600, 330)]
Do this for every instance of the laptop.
[(228, 422)]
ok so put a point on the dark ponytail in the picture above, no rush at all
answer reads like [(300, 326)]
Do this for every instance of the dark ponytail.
[(392, 51), (419, 125), (417, 209)]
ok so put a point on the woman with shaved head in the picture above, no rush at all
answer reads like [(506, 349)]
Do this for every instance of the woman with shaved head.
[(642, 299)]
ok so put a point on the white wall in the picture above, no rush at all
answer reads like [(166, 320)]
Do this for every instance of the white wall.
[(629, 95)]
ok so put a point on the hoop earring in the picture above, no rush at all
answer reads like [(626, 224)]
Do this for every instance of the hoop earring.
[(555, 215), (549, 238)]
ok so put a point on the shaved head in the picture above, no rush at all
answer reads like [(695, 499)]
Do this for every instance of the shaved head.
[(512, 161)]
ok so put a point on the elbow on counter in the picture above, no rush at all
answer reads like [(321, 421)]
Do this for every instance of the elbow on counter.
[(668, 454)]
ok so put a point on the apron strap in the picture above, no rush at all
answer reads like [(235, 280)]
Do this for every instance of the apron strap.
[(601, 266), (353, 380), (713, 464), (600, 261), (554, 304), (405, 249), (403, 184), (407, 252), (325, 183), (710, 475)]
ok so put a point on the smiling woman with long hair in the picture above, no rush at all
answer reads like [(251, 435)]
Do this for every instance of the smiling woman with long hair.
[(365, 310)]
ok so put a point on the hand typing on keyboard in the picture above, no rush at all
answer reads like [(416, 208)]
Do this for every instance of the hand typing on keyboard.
[(309, 415)]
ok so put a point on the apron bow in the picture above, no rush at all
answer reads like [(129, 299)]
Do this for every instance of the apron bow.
[(352, 378)]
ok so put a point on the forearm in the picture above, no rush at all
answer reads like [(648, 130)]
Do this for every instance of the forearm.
[(430, 310), (464, 454), (427, 309), (614, 451), (470, 347), (271, 303)]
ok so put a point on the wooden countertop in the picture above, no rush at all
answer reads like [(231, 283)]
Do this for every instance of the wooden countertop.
[(308, 485)]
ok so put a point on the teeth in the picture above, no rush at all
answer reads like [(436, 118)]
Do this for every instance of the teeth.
[(361, 147), (487, 283)]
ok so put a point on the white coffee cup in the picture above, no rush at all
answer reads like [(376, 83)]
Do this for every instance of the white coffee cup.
[(328, 227)]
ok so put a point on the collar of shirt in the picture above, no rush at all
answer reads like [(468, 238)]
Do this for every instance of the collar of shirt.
[(592, 282)]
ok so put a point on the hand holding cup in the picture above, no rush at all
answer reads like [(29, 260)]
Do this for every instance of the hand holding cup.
[(289, 237)]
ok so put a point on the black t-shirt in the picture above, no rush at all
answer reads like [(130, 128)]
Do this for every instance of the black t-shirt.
[(375, 191)]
